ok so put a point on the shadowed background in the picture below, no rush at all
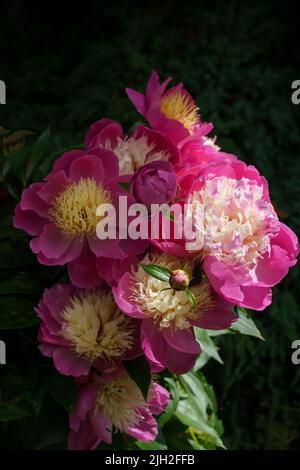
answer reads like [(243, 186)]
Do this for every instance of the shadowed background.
[(68, 68)]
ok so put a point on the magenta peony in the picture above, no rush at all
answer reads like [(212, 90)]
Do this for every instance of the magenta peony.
[(113, 400), (173, 112), (85, 328)]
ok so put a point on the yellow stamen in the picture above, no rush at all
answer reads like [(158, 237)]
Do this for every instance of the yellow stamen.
[(96, 327), (119, 400), (74, 209), (179, 106)]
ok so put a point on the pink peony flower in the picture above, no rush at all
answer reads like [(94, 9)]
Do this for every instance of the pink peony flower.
[(168, 316), (245, 249), (173, 112), (154, 183), (114, 401), (61, 213), (85, 328), (143, 146)]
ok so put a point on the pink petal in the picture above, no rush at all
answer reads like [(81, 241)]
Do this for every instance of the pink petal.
[(29, 221), (65, 161), (160, 400), (84, 438), (55, 183), (83, 271), (146, 429), (182, 340), (88, 166), (51, 242), (68, 363), (123, 297), (31, 201), (137, 99), (179, 362), (102, 427), (256, 298)]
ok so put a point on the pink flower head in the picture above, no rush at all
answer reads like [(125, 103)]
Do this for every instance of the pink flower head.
[(143, 146), (84, 328), (60, 213), (154, 183), (173, 111), (114, 401), (168, 316), (246, 250)]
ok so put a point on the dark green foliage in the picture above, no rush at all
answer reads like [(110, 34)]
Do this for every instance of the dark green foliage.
[(238, 59)]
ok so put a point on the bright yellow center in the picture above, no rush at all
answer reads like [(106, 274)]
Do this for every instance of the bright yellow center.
[(168, 307), (96, 327), (179, 106), (119, 401), (74, 209)]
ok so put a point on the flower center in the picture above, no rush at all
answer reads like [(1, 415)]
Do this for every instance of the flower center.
[(74, 209), (170, 308), (95, 326), (133, 153), (238, 222), (180, 106), (120, 400)]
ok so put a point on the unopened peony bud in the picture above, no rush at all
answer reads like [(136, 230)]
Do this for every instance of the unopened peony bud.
[(179, 279)]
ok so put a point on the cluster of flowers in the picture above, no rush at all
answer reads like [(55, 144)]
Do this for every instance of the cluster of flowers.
[(128, 298)]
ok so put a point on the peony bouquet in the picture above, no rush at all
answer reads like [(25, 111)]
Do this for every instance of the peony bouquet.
[(164, 236)]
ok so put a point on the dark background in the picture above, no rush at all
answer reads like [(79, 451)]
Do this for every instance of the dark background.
[(67, 65)]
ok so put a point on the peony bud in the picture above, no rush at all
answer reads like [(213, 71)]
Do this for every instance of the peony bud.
[(179, 279)]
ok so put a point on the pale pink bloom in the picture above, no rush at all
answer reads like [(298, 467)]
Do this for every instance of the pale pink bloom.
[(246, 250), (114, 401)]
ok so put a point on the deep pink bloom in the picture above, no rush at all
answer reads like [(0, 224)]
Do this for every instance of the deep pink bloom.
[(154, 183), (60, 213), (84, 328), (143, 146), (172, 111), (114, 400), (246, 250), (168, 316)]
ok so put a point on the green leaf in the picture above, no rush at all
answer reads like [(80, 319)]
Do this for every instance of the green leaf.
[(207, 345), (11, 412), (159, 272), (22, 283), (63, 389), (245, 325), (139, 370), (191, 297), (125, 186), (197, 409), (16, 313)]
